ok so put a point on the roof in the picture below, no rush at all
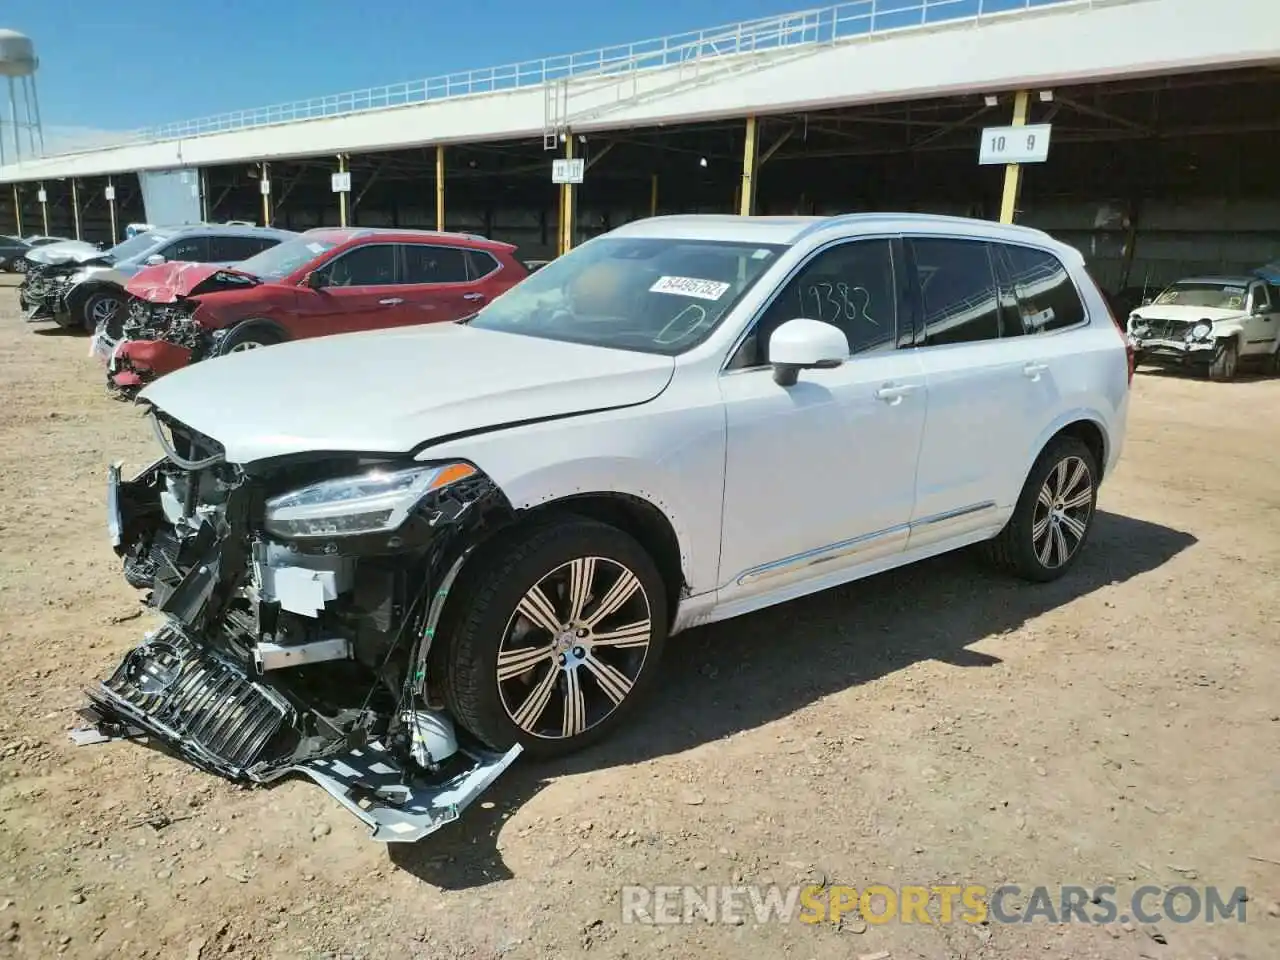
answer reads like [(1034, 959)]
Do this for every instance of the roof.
[(1226, 281), (224, 230), (790, 230), (344, 234)]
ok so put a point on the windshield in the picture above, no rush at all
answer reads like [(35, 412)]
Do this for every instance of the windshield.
[(653, 295), (134, 246), (276, 263), (1223, 296)]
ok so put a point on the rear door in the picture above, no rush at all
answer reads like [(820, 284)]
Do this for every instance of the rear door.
[(193, 249), (358, 290), (437, 284), (981, 384), (232, 249)]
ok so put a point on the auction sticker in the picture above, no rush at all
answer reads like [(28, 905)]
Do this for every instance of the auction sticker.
[(690, 287)]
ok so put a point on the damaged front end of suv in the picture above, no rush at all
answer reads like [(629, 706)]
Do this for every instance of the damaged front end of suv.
[(43, 287), (300, 597), (150, 340)]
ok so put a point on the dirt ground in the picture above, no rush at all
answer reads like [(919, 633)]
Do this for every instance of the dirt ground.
[(935, 725)]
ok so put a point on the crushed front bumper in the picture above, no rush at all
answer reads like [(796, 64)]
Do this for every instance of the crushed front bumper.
[(1173, 353), (217, 714)]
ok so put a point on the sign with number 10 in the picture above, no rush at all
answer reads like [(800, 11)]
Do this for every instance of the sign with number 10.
[(1026, 144)]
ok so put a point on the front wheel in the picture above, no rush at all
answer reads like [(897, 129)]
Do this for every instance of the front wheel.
[(1053, 516), (558, 640), (1226, 361), (101, 310), (247, 337)]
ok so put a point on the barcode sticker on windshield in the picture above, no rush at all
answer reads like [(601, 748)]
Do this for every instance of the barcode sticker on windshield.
[(690, 287), (1235, 290), (316, 247)]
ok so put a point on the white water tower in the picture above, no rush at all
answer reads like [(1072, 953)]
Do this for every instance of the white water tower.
[(18, 65)]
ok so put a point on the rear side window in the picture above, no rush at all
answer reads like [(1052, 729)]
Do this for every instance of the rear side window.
[(1047, 299), (959, 297), (480, 264), (235, 249), (424, 263)]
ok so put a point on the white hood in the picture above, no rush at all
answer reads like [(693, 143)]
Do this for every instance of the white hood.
[(390, 391), (64, 251), (1188, 314)]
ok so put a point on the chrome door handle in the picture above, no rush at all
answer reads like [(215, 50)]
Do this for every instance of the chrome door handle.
[(1032, 371), (391, 301), (892, 393), (473, 296)]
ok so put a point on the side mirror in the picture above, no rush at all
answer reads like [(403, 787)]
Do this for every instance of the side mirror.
[(1258, 309), (805, 345), (314, 280), (1147, 301), (154, 260)]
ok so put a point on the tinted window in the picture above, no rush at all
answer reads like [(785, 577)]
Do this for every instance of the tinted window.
[(235, 249), (957, 291), (367, 266), (1260, 296), (480, 264), (193, 249), (427, 264), (849, 286), (1047, 299)]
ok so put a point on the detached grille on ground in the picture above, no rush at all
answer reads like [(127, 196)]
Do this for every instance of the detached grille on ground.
[(208, 707)]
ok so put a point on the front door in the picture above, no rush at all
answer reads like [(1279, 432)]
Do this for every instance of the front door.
[(1262, 324), (357, 290), (820, 475)]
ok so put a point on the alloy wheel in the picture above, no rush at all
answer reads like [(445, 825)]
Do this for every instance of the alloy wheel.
[(1062, 512), (103, 310), (245, 345), (574, 648)]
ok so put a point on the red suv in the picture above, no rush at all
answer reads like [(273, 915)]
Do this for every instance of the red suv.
[(325, 281)]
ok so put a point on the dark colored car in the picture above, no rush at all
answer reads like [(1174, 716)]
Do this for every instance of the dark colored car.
[(325, 281)]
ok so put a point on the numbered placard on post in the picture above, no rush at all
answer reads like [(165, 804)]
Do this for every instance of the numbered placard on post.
[(41, 196), (1027, 144), (568, 171), (264, 187), (341, 182), (110, 192)]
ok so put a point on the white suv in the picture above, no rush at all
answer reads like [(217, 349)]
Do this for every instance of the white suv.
[(392, 561)]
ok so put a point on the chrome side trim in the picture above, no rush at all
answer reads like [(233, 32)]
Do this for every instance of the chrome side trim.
[(866, 543), (833, 551), (954, 514)]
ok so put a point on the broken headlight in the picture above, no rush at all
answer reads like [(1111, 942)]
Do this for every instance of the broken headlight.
[(375, 502), (1200, 331)]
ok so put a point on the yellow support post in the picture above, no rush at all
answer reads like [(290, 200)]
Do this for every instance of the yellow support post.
[(750, 153), (17, 208), (44, 208), (1013, 171), (75, 207), (266, 196), (342, 194), (566, 202), (440, 187), (653, 196), (111, 205)]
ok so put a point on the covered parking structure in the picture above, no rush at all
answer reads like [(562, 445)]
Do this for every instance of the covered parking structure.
[(1152, 172)]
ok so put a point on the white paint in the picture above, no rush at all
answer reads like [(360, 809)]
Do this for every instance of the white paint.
[(1025, 144), (1052, 46), (340, 182), (109, 192)]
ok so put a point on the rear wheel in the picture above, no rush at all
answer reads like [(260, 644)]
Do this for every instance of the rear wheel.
[(1054, 514), (1226, 362), (558, 640)]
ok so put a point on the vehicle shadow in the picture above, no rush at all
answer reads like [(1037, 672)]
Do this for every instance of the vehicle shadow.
[(1246, 374), (57, 330), (747, 672)]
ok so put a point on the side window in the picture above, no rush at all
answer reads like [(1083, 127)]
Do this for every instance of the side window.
[(1047, 298), (958, 294), (1274, 290), (424, 263), (235, 249), (369, 266), (190, 249), (480, 264), (1260, 297), (850, 286)]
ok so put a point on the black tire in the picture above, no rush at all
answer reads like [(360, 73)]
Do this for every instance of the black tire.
[(489, 618), (1226, 361), (1019, 547), (94, 303), (247, 336)]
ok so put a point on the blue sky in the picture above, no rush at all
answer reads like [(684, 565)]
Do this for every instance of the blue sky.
[(124, 65)]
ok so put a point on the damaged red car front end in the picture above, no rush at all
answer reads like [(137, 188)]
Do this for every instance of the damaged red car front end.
[(164, 327)]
